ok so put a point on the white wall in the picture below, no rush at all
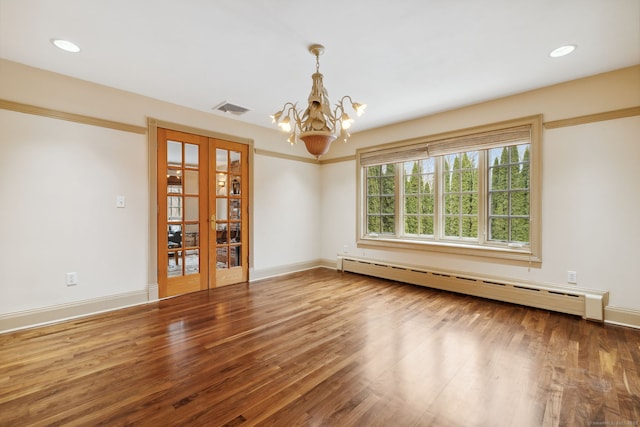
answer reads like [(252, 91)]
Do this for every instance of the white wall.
[(59, 181), (286, 212), (590, 207), (590, 201), (338, 209), (58, 185)]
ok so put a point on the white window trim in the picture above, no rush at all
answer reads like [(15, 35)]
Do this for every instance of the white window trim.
[(528, 254)]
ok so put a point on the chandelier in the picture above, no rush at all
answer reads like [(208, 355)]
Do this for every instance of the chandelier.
[(318, 126)]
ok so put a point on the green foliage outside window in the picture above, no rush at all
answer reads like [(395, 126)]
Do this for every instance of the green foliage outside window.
[(473, 191), (381, 199), (509, 200), (461, 195), (419, 207)]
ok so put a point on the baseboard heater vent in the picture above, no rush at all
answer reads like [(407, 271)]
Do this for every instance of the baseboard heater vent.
[(588, 304)]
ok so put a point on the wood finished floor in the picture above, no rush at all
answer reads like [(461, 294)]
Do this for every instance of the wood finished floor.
[(322, 348)]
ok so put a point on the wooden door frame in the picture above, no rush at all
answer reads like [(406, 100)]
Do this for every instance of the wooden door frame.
[(152, 138)]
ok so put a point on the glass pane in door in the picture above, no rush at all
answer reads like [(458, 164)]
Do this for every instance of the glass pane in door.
[(221, 184), (174, 267), (174, 153), (174, 208), (234, 162), (221, 258), (191, 235), (234, 232), (222, 237), (191, 182), (235, 212), (174, 236), (235, 185), (191, 155), (221, 208), (192, 261), (234, 256), (191, 209), (221, 160)]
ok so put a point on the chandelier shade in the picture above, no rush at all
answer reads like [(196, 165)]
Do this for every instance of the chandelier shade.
[(318, 125), (317, 143)]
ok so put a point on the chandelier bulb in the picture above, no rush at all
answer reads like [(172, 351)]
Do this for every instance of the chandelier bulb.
[(359, 108), (346, 121), (276, 116), (285, 124)]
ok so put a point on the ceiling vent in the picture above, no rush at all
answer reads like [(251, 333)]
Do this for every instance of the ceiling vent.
[(227, 107)]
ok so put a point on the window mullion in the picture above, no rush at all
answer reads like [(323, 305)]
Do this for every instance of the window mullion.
[(483, 193), (439, 201), (399, 205)]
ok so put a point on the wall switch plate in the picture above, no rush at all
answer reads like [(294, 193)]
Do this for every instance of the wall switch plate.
[(72, 279), (572, 277), (120, 201)]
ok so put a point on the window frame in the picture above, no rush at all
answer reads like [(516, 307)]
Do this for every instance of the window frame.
[(524, 253)]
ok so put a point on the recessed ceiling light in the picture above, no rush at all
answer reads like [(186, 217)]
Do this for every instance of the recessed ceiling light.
[(562, 51), (65, 45)]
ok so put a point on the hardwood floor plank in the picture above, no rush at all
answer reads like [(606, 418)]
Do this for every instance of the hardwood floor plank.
[(322, 348)]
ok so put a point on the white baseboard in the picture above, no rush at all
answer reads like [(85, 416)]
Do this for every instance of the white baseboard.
[(153, 292), (588, 303), (596, 301), (266, 273), (36, 317), (622, 316), (40, 316)]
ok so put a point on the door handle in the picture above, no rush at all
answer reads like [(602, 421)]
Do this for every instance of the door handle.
[(213, 221)]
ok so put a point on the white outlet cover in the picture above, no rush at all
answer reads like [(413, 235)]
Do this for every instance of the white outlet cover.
[(72, 279), (120, 201)]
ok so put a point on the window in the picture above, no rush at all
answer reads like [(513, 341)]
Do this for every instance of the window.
[(460, 194), (381, 199), (509, 178), (472, 192), (419, 193)]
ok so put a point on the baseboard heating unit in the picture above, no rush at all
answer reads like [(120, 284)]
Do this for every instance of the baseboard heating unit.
[(588, 304)]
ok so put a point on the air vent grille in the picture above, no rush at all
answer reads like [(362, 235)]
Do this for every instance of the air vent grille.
[(227, 107)]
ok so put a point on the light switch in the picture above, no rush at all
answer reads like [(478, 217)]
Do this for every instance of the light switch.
[(120, 202)]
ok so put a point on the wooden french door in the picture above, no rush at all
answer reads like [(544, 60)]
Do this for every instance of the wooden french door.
[(202, 212), (231, 212)]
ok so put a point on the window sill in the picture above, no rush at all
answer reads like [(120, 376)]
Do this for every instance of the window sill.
[(521, 255)]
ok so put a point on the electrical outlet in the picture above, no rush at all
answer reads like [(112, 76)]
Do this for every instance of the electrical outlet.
[(345, 249), (72, 279), (120, 201), (572, 277)]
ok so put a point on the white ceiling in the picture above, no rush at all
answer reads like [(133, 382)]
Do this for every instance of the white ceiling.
[(405, 59)]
